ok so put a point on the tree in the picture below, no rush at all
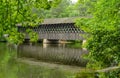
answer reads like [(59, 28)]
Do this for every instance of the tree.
[(56, 12), (104, 29), (65, 9), (84, 7), (13, 12)]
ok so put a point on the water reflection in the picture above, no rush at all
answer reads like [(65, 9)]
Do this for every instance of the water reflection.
[(10, 67), (58, 53)]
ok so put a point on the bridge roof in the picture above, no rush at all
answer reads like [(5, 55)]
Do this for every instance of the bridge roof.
[(59, 20)]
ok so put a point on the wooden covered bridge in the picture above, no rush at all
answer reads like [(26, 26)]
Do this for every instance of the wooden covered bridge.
[(56, 29)]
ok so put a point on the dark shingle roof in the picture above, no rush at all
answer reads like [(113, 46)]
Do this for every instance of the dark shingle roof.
[(59, 20)]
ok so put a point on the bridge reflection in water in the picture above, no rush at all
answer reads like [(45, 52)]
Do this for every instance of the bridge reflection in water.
[(56, 53)]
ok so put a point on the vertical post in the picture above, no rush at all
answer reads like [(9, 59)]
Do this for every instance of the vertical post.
[(83, 43)]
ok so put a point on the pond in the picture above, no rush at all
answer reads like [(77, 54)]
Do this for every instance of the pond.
[(40, 61)]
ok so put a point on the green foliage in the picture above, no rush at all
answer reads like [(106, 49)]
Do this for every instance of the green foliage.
[(65, 9), (104, 29), (85, 7), (114, 73), (26, 12), (15, 37), (86, 74), (33, 35)]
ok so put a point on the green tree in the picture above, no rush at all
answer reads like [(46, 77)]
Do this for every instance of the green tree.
[(13, 12), (84, 7), (65, 9), (104, 29), (56, 12)]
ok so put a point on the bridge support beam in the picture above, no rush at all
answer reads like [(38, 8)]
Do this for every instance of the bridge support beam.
[(47, 41)]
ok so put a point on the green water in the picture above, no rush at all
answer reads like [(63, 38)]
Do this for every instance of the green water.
[(10, 67)]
